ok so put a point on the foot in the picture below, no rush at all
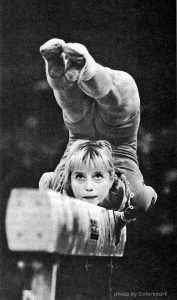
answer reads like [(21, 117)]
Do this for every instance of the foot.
[(75, 59), (52, 52), (70, 59)]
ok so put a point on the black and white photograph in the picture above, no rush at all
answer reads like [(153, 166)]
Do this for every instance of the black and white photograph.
[(88, 158)]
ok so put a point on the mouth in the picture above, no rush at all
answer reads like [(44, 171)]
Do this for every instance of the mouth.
[(90, 197)]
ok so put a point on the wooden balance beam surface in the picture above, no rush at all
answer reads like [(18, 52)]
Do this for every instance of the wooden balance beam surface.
[(50, 222)]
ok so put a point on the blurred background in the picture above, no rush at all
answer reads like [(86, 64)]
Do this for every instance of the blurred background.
[(136, 36)]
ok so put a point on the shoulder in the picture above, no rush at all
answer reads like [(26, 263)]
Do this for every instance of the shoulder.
[(45, 180)]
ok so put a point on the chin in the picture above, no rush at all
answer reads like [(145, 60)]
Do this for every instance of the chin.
[(92, 201)]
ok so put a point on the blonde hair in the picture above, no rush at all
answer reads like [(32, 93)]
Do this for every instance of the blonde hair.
[(96, 154)]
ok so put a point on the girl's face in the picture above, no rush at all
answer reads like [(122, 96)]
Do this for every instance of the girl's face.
[(90, 184)]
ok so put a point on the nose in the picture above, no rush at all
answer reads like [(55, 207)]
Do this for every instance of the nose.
[(89, 185)]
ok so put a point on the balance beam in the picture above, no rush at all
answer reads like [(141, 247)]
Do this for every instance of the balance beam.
[(50, 222)]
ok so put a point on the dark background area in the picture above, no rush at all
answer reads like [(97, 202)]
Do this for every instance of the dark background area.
[(136, 36)]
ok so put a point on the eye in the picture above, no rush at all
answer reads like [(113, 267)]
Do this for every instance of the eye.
[(98, 176), (79, 176)]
